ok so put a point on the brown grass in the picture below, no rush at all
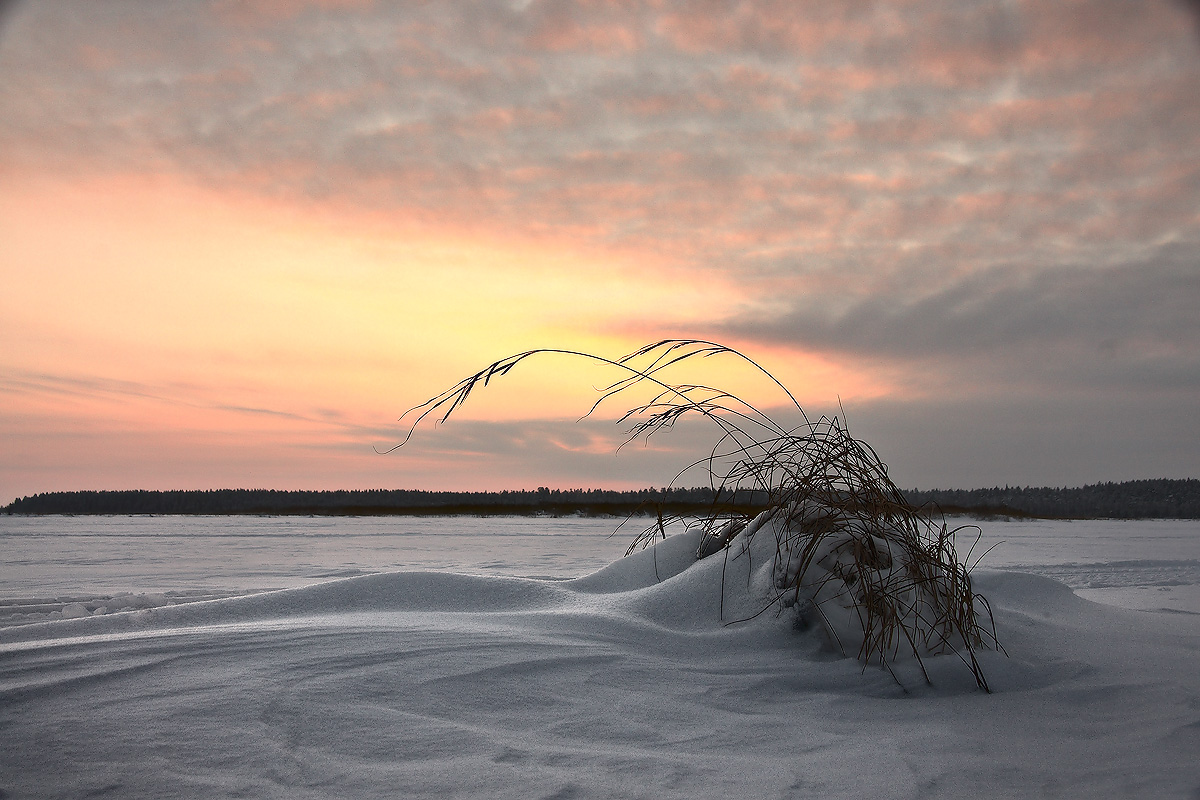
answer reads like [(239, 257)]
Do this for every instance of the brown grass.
[(882, 577)]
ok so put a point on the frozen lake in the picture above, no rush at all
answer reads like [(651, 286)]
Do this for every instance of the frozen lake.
[(52, 562), (459, 658)]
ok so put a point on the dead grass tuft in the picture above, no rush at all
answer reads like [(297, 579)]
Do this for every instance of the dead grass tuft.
[(883, 578)]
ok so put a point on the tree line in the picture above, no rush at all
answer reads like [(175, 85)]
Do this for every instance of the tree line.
[(542, 500), (1163, 498), (1145, 499)]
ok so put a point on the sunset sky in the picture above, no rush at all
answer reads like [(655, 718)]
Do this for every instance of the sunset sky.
[(238, 239)]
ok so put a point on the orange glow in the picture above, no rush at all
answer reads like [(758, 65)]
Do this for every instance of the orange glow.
[(162, 280), (147, 308)]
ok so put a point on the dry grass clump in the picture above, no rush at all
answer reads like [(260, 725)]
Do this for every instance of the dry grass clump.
[(882, 578)]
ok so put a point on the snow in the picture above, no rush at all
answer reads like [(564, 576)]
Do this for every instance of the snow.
[(622, 683)]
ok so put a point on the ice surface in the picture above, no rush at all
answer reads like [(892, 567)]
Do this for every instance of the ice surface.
[(129, 563), (623, 683)]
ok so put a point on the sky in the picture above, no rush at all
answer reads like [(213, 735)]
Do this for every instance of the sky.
[(238, 240)]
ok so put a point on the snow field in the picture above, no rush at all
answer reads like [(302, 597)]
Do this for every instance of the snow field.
[(623, 683)]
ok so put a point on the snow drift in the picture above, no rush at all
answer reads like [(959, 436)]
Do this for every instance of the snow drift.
[(623, 683), (883, 577)]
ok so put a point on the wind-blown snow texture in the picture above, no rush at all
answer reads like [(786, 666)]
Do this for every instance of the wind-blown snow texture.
[(623, 683)]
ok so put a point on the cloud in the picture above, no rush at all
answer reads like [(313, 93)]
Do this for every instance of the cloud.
[(557, 452), (90, 395), (1194, 7), (42, 384), (1002, 194), (1012, 439), (734, 136), (7, 7), (1131, 324), (712, 131)]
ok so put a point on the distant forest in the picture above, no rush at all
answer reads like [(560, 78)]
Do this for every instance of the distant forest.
[(1150, 499), (1178, 499)]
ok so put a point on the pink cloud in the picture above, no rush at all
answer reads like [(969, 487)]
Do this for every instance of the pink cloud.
[(266, 12), (560, 31), (776, 26)]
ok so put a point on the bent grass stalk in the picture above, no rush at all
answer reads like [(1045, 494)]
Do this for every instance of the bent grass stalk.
[(846, 540)]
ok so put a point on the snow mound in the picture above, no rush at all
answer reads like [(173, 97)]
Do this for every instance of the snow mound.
[(741, 591)]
